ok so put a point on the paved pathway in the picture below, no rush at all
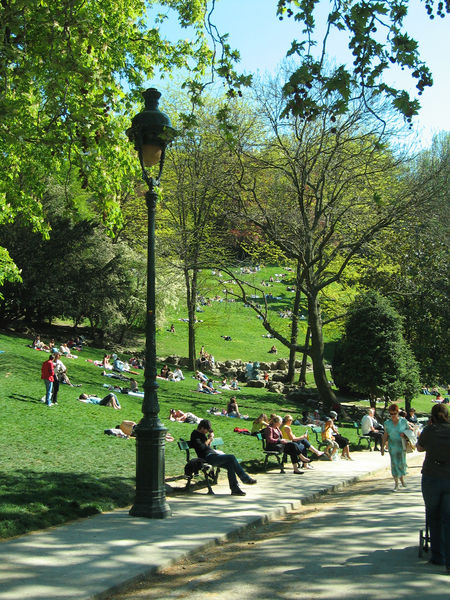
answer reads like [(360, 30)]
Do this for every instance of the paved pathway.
[(359, 543), (87, 558)]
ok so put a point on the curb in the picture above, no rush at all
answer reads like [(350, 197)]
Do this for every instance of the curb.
[(412, 460)]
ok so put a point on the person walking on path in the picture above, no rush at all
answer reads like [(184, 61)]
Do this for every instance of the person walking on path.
[(201, 439), (435, 441), (48, 375), (395, 429)]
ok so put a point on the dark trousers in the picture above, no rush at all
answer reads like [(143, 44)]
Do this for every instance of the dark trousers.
[(55, 390), (436, 495), (377, 436), (291, 449), (303, 446), (231, 464)]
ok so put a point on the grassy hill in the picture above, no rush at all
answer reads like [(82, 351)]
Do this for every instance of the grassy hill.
[(57, 463), (233, 318)]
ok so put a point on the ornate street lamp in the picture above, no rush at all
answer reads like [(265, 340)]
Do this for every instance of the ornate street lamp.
[(150, 132)]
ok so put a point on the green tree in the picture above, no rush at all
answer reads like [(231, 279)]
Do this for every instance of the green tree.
[(191, 228), (373, 357), (377, 39), (334, 185), (410, 265), (69, 71)]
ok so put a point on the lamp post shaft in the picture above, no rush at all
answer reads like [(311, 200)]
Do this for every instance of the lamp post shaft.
[(150, 500)]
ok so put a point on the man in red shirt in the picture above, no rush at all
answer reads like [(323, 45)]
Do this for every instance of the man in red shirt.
[(48, 375)]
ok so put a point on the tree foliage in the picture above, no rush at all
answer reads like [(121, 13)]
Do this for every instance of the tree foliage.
[(373, 358), (69, 71), (192, 225), (410, 265), (377, 39), (320, 191)]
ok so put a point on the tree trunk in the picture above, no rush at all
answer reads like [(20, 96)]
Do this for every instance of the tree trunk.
[(317, 354), (294, 335), (407, 404), (302, 378), (191, 297)]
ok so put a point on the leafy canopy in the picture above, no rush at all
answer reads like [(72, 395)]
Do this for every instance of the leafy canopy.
[(377, 39)]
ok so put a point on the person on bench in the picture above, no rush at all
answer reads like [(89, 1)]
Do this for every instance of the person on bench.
[(275, 441), (371, 427), (300, 441), (201, 439)]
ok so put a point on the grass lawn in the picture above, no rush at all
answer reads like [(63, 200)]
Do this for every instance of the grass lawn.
[(237, 321), (57, 464)]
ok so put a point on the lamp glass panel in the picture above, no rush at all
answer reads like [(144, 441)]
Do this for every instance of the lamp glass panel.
[(151, 154)]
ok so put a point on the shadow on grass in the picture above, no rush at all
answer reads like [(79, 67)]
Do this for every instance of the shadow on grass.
[(23, 398), (32, 500)]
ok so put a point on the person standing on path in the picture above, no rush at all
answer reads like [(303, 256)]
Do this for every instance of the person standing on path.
[(394, 429), (48, 375), (435, 441)]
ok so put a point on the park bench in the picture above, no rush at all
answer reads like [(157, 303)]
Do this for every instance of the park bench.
[(317, 431), (197, 466), (279, 455), (362, 437)]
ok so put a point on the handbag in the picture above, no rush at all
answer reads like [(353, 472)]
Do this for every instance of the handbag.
[(408, 447)]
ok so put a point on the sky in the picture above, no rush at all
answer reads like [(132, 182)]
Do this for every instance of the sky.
[(263, 41)]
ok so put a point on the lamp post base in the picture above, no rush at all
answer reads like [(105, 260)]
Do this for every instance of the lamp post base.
[(150, 500)]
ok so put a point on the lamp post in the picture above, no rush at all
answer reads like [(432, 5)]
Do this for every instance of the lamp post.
[(150, 132)]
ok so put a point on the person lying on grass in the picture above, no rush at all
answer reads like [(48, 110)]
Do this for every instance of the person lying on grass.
[(181, 417), (108, 400), (129, 429)]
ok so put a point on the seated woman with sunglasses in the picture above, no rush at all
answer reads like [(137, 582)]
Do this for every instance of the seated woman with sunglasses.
[(301, 441)]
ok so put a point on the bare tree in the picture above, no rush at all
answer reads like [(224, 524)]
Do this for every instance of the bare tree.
[(320, 189)]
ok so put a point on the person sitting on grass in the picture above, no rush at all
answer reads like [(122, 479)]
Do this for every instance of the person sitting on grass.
[(178, 375), (201, 439), (233, 408), (164, 373), (274, 441), (108, 400), (200, 376), (301, 441), (119, 366), (207, 389), (224, 384), (38, 344), (65, 351), (234, 384)]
